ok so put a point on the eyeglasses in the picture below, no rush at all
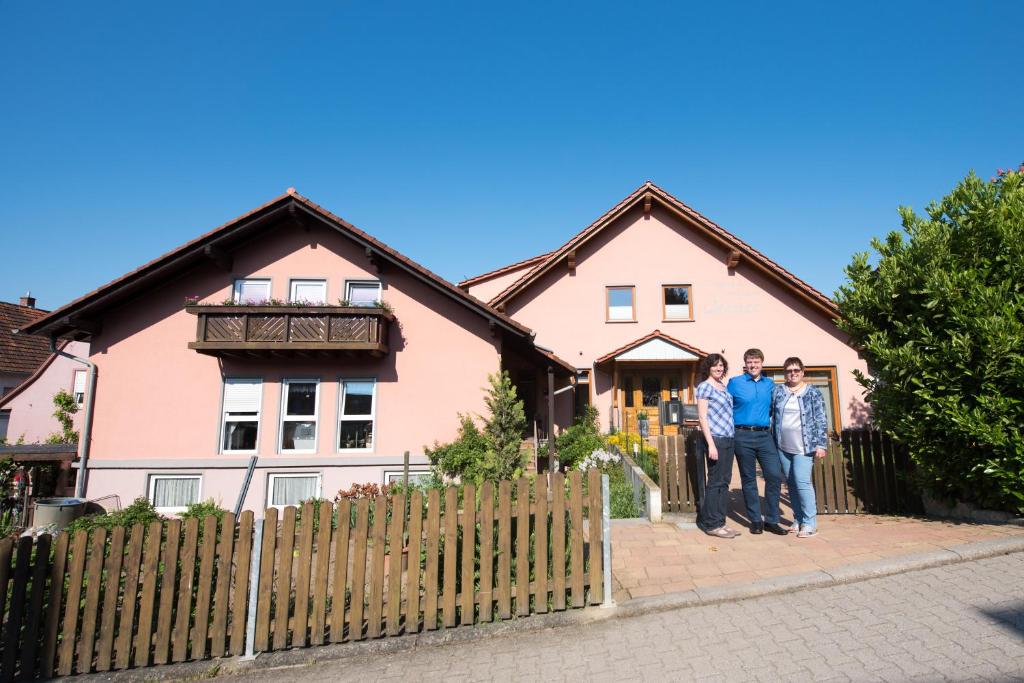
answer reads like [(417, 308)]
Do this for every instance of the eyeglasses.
[(793, 371)]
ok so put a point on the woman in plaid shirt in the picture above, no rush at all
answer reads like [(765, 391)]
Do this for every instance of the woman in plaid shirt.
[(714, 410)]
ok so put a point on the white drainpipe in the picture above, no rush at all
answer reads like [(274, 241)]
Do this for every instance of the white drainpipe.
[(85, 437)]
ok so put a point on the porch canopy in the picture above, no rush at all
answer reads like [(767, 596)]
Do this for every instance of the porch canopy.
[(654, 375)]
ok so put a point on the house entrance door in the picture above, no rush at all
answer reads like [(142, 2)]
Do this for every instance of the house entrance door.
[(646, 389)]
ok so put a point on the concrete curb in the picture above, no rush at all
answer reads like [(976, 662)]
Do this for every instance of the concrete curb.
[(289, 659)]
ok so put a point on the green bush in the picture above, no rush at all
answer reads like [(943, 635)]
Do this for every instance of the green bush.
[(622, 504), (581, 439), (491, 454), (202, 510), (141, 511), (940, 320)]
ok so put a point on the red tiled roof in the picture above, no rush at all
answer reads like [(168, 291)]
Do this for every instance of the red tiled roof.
[(21, 353), (706, 225), (491, 274), (657, 334), (60, 319)]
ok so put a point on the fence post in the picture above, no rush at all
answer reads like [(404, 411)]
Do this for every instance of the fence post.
[(254, 590), (606, 542)]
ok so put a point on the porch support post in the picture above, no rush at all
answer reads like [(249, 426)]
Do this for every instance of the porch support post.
[(552, 453)]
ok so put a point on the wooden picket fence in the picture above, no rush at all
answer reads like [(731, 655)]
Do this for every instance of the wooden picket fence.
[(865, 471), (328, 573)]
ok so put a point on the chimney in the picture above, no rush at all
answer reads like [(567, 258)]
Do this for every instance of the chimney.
[(28, 300)]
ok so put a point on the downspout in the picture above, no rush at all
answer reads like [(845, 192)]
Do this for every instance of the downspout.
[(85, 436)]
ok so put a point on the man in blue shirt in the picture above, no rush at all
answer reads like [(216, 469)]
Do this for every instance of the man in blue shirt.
[(752, 403)]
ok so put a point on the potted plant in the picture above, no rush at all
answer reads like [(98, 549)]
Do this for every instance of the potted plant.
[(643, 424)]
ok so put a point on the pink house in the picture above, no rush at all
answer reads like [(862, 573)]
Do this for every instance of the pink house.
[(636, 298), (335, 356), (318, 355)]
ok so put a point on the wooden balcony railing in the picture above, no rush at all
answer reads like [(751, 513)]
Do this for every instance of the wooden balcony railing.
[(303, 331)]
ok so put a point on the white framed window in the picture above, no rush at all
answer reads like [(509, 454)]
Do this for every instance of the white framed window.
[(357, 408), (252, 290), (174, 492), (300, 401), (243, 401), (292, 488), (78, 390), (308, 291), (415, 476), (363, 292), (621, 304)]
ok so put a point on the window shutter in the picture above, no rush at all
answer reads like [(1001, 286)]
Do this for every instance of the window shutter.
[(242, 395), (79, 382)]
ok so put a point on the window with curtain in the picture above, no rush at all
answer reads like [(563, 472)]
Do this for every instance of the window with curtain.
[(252, 290), (308, 291), (243, 400), (620, 303), (363, 293), (174, 492), (300, 399), (292, 489), (676, 302), (355, 422)]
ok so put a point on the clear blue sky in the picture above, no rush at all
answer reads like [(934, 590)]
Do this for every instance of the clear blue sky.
[(471, 135)]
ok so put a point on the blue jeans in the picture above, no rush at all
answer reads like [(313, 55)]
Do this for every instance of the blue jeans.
[(753, 448), (797, 467)]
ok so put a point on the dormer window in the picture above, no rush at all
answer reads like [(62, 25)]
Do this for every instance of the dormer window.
[(252, 290)]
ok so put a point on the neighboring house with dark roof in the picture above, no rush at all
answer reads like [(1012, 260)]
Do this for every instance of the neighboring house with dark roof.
[(30, 375), (636, 298), (323, 393), (20, 355)]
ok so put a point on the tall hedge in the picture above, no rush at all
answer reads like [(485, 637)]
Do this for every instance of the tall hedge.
[(939, 314)]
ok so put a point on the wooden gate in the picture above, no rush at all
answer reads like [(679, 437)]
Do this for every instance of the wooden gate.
[(865, 471)]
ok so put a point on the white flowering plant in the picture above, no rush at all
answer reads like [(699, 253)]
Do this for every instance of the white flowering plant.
[(600, 459)]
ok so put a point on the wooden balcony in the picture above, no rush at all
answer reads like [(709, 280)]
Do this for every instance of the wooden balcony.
[(291, 331)]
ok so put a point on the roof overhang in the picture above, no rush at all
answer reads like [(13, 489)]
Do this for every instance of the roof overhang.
[(735, 250)]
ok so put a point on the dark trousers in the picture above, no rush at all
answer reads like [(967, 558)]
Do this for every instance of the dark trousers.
[(753, 448), (715, 505)]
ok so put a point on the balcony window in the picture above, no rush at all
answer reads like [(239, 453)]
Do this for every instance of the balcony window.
[(252, 291), (300, 399), (243, 400), (308, 292), (363, 293), (356, 418)]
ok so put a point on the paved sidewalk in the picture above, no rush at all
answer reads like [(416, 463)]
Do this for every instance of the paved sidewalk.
[(960, 622), (654, 559)]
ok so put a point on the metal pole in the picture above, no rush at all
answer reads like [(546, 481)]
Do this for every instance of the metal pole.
[(606, 544), (254, 591), (552, 454), (405, 471)]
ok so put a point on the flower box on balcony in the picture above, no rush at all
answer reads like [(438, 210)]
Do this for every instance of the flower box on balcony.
[(304, 331)]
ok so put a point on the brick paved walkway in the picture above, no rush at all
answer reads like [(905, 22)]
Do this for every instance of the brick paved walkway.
[(651, 559), (960, 622)]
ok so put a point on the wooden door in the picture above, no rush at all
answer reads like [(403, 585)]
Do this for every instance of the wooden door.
[(645, 389)]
